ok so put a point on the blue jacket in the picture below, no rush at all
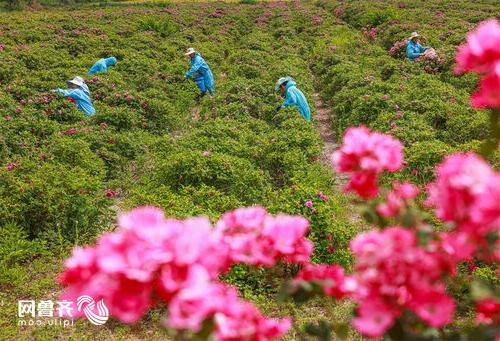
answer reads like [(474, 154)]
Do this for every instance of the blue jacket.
[(413, 50), (82, 100), (295, 97), (102, 65), (201, 69)]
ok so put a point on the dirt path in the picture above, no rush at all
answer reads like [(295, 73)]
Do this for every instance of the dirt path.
[(323, 118)]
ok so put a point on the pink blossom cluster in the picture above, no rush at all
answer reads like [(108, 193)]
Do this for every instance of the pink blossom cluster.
[(398, 49), (254, 237), (488, 311), (397, 199), (330, 278), (151, 258), (481, 54), (370, 32), (394, 273), (338, 12), (466, 193), (365, 155)]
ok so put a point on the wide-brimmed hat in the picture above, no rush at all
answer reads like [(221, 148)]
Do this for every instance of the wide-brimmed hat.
[(281, 81), (414, 35), (80, 82), (190, 51)]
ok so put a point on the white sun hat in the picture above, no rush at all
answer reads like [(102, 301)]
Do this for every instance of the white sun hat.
[(80, 82), (414, 35), (190, 51), (281, 81)]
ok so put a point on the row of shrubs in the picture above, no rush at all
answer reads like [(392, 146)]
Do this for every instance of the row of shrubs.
[(365, 85)]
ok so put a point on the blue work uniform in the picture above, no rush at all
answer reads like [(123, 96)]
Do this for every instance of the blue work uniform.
[(295, 97), (102, 65), (413, 50), (202, 74)]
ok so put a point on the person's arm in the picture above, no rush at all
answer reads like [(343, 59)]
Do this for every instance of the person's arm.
[(73, 93), (195, 67)]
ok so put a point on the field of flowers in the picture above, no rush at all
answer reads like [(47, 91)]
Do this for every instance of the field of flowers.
[(67, 181)]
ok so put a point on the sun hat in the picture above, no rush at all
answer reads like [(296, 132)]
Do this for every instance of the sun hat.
[(190, 51), (281, 81), (414, 35), (80, 82)]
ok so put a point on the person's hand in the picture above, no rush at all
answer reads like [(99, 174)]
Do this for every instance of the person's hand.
[(53, 90)]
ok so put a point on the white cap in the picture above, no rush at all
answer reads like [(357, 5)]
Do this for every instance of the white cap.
[(414, 35), (190, 51)]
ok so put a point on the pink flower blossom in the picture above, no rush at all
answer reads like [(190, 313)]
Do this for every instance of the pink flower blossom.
[(110, 193), (206, 153), (394, 273), (396, 199), (365, 155), (8, 118), (374, 319), (308, 204), (488, 95), (331, 278), (19, 110), (103, 124), (480, 53), (11, 166), (323, 196), (488, 311)]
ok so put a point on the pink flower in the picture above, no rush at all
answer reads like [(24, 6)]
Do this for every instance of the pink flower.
[(333, 48), (70, 131), (254, 237), (11, 166), (308, 204), (396, 199), (19, 110), (480, 53), (206, 153), (22, 102), (435, 308), (393, 124), (374, 319), (488, 311), (461, 180), (331, 278), (488, 95), (414, 172), (394, 273), (103, 124), (386, 97), (129, 98), (110, 194), (8, 118), (366, 154), (323, 196)]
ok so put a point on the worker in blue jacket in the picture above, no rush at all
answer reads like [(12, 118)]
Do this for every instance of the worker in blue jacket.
[(200, 72), (102, 65), (80, 93), (413, 47), (293, 97)]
